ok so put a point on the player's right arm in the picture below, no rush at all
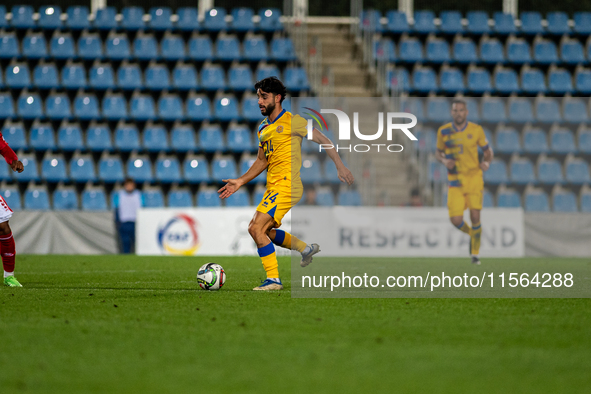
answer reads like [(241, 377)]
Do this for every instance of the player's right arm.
[(440, 153), (232, 185), (9, 155)]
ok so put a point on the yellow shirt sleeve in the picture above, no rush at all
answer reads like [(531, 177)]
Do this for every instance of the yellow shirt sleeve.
[(440, 143), (299, 126), (481, 141)]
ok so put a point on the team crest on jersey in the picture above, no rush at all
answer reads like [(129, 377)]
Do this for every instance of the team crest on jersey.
[(279, 129), (469, 136)]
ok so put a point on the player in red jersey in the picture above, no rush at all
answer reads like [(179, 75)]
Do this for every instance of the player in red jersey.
[(7, 248)]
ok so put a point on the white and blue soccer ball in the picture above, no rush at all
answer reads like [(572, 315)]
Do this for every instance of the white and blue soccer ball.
[(211, 276)]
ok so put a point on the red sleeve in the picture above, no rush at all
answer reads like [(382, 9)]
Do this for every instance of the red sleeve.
[(7, 151)]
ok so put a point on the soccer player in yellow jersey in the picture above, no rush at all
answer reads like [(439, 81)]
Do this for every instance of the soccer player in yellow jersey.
[(280, 139), (457, 149)]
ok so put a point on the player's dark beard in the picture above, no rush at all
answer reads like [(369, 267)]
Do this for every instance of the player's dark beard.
[(458, 120), (268, 110)]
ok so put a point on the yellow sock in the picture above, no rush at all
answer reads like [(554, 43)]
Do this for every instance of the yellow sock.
[(288, 241), (464, 228), (475, 239), (269, 258)]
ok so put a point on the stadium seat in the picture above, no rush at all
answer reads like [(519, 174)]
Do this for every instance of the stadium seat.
[(296, 78), (531, 23), (57, 106), (22, 17), (53, 169), (9, 47), (550, 172), (208, 199), (141, 107), (82, 169), (105, 18), (582, 23), (90, 47), (349, 198), (397, 22), (227, 49), (239, 139), (114, 107), (522, 171), (69, 137), (154, 138), (196, 170), (557, 23), (12, 197), (132, 18), (547, 110), (168, 170), (504, 23), (424, 22), (145, 47), (583, 81), (127, 138), (238, 199), (479, 81), (226, 108), (410, 50), (223, 168), (200, 49), (384, 49), (49, 17), (577, 171), (184, 77), (250, 109), (370, 20), (506, 81), (270, 20), (78, 18), (438, 109), (585, 201), (436, 51), (242, 19), (215, 20), (424, 80), (477, 22), (117, 47), (560, 82), (535, 141), (213, 78), (533, 81), (153, 198), (571, 52), (17, 76), (31, 170), (518, 51), (37, 199), (199, 108), (491, 51), (29, 106), (451, 22), (187, 19), (211, 138), (61, 46), (282, 50), (180, 199), (536, 201), (508, 199), (240, 78), (451, 80), (267, 70), (487, 199), (311, 171), (170, 108), (157, 77), (172, 48), (564, 201), (562, 141), (426, 139), (6, 106), (139, 168), (398, 79), (574, 110), (129, 77), (34, 46), (255, 49), (497, 173), (111, 170), (101, 77), (94, 200), (14, 134), (545, 52), (507, 140), (45, 76), (74, 76), (98, 138), (183, 138), (520, 110), (160, 18)]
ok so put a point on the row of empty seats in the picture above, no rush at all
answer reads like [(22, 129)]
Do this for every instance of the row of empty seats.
[(135, 18), (118, 46), (129, 76), (476, 23)]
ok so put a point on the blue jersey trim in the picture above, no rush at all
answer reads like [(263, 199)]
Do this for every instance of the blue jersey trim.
[(278, 116)]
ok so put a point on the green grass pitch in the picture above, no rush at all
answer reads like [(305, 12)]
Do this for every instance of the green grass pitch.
[(118, 324)]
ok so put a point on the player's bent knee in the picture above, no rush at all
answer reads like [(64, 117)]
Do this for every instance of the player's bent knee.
[(456, 220)]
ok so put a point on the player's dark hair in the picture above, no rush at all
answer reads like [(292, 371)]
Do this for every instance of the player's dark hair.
[(128, 180), (459, 100), (272, 85)]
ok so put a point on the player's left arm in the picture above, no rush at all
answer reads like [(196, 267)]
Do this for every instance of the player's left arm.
[(486, 150), (344, 173)]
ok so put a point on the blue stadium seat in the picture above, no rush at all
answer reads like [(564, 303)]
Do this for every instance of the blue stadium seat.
[(384, 49), (424, 22), (479, 81), (582, 23), (397, 22), (282, 50), (250, 109), (45, 76), (410, 50), (196, 170), (255, 49), (547, 110), (398, 79), (557, 23), (550, 171), (349, 198), (141, 107), (105, 18), (452, 80), (53, 169), (522, 171), (520, 110), (242, 19), (267, 70), (215, 20), (172, 48), (157, 77), (296, 78), (17, 76), (477, 22), (170, 108), (180, 199), (9, 47), (533, 81), (258, 196), (94, 200), (227, 48), (14, 134), (145, 47), (114, 107), (111, 170), (497, 173), (140, 169), (34, 46), (90, 47), (153, 198), (330, 172), (507, 141), (269, 20), (506, 81), (424, 80), (536, 201), (182, 138), (22, 17), (583, 81), (571, 52), (117, 47), (487, 199), (518, 51), (585, 201), (101, 77), (168, 170), (61, 46), (438, 109), (238, 199), (199, 108), (29, 106), (370, 20), (504, 23), (49, 17), (37, 199), (12, 197), (127, 138), (211, 138), (98, 138), (437, 171), (6, 106), (560, 82), (132, 18), (129, 77), (311, 171), (577, 171), (535, 141), (184, 77), (574, 110), (531, 23), (187, 19), (160, 18), (436, 51), (473, 109), (74, 76), (564, 201), (200, 49), (451, 22), (508, 199), (31, 170), (213, 78), (545, 52), (155, 139), (69, 137), (239, 139), (78, 18), (226, 108), (82, 169), (426, 139), (208, 199), (240, 78), (562, 141), (223, 168), (491, 51), (57, 106)]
